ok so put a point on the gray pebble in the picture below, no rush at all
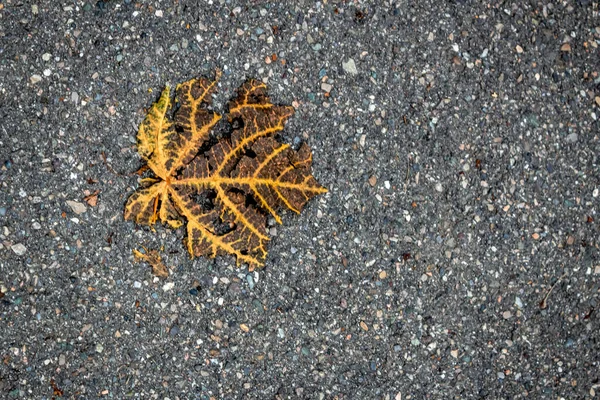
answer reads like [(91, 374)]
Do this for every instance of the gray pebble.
[(350, 67)]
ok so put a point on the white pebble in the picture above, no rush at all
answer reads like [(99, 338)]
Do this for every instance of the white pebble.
[(326, 87), (518, 302), (362, 140), (350, 67), (77, 207), (19, 249)]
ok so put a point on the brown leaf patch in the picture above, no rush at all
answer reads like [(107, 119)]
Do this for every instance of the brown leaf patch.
[(153, 258)]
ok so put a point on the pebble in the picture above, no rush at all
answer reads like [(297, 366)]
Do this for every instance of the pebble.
[(506, 314), (137, 284), (572, 137), (35, 79), (168, 286), (518, 302), (36, 225), (77, 207), (326, 87), (19, 249), (250, 281), (439, 187), (47, 72), (61, 359), (2, 211), (350, 67), (46, 56)]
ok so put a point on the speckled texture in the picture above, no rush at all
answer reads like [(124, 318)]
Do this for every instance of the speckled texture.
[(461, 149)]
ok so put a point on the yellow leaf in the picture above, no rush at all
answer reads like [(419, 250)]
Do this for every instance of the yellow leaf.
[(225, 193)]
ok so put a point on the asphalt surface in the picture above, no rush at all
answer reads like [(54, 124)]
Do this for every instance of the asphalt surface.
[(455, 255)]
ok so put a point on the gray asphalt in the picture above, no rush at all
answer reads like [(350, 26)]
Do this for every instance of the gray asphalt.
[(456, 253)]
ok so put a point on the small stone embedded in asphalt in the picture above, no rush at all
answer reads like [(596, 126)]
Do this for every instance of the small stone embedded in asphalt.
[(349, 66), (572, 137), (518, 302), (19, 249), (77, 207), (326, 87), (35, 78)]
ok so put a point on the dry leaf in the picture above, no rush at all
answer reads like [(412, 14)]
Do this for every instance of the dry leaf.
[(56, 391), (153, 258), (225, 193), (92, 199)]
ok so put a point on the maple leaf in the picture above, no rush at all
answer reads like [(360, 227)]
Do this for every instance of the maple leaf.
[(224, 194)]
